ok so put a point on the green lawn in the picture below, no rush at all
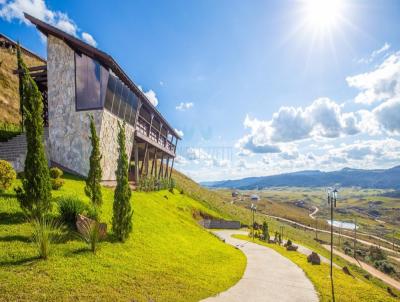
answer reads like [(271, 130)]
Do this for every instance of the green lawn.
[(347, 288), (167, 258)]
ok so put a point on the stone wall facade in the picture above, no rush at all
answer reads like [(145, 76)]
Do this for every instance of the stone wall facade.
[(109, 143), (69, 132)]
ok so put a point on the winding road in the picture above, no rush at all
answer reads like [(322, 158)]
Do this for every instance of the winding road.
[(268, 276), (312, 215)]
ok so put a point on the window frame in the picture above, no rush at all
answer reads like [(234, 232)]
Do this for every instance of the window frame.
[(76, 94)]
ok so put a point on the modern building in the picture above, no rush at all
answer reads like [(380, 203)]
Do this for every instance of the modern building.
[(79, 80)]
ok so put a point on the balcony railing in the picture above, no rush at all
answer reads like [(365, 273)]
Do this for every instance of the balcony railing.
[(143, 127)]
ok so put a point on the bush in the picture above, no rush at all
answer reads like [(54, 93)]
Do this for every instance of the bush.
[(92, 213), (56, 173), (45, 232), (8, 131), (57, 183), (7, 175), (69, 208)]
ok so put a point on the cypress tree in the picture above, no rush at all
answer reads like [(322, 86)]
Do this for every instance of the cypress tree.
[(265, 231), (93, 188), (122, 212), (36, 196), (20, 86)]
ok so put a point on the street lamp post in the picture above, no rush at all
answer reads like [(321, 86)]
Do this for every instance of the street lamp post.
[(253, 209), (332, 195)]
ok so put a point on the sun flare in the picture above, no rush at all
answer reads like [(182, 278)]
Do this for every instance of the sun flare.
[(323, 14)]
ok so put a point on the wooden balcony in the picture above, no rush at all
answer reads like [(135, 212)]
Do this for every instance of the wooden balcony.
[(147, 132)]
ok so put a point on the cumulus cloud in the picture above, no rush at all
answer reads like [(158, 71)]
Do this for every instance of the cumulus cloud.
[(14, 10), (201, 156), (381, 84), (88, 38), (323, 118), (388, 115), (179, 132), (184, 106), (151, 96)]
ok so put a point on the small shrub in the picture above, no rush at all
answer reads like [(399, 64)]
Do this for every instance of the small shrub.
[(91, 234), (69, 208), (56, 173), (57, 183), (7, 175), (45, 233)]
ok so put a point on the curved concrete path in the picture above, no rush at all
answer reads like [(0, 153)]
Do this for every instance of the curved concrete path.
[(268, 276)]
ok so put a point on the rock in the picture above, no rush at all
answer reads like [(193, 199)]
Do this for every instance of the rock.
[(346, 271), (390, 291), (83, 223), (314, 258), (292, 248)]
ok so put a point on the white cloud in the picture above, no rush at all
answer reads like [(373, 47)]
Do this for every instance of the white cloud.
[(323, 118), (89, 39), (184, 106), (388, 115), (151, 96), (179, 132), (380, 84), (385, 47), (14, 10)]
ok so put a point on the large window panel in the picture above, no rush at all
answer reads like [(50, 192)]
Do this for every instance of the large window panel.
[(117, 98), (112, 82), (90, 79), (123, 105)]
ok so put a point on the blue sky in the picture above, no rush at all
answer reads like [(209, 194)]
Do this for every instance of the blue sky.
[(257, 88)]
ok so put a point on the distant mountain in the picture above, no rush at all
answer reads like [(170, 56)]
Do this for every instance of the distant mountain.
[(347, 177)]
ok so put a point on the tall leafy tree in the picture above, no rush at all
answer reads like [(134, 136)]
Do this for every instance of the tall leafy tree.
[(35, 198), (122, 211), (93, 187)]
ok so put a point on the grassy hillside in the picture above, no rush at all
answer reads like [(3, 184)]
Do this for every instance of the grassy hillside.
[(221, 203), (9, 95), (167, 258)]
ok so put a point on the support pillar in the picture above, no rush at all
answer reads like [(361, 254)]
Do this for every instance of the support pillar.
[(136, 150), (161, 166), (166, 168)]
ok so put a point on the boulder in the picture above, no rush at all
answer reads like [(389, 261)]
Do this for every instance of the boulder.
[(314, 258), (292, 248), (83, 223), (346, 270)]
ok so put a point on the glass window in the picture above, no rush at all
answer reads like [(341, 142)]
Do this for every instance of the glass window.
[(112, 82), (117, 97), (133, 103), (124, 103), (90, 79)]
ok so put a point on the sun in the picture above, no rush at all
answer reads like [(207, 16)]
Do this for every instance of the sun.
[(323, 14)]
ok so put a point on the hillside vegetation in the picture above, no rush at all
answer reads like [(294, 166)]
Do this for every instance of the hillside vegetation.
[(168, 257), (9, 94)]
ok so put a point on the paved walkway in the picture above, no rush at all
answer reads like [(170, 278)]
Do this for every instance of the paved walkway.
[(268, 276)]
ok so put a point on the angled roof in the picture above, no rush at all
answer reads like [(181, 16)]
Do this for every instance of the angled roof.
[(11, 41), (104, 58)]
